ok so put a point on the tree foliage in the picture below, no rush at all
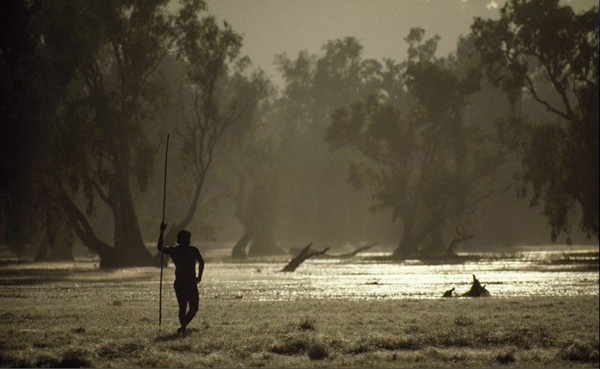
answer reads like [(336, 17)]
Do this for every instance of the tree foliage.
[(542, 51), (213, 97), (423, 161)]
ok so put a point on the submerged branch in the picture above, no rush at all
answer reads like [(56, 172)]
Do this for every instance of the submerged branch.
[(301, 257)]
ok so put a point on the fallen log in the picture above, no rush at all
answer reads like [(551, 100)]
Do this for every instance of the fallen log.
[(301, 257), (476, 290), (350, 254), (448, 293)]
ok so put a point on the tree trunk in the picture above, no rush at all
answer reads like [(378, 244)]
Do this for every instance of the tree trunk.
[(62, 251), (239, 250), (129, 245), (263, 244), (42, 253), (436, 246), (408, 246)]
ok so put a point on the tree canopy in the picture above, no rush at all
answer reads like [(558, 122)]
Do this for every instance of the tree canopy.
[(542, 51)]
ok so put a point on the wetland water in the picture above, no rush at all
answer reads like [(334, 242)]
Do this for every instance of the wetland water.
[(522, 274)]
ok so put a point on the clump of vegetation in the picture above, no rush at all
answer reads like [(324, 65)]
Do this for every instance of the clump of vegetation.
[(393, 342), (307, 324), (14, 361), (295, 345), (75, 358), (359, 348), (47, 361), (581, 352), (318, 351), (506, 357)]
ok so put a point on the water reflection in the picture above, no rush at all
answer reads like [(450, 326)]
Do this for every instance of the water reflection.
[(363, 277), (523, 274)]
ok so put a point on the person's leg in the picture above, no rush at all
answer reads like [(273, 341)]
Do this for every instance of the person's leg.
[(182, 302), (193, 299)]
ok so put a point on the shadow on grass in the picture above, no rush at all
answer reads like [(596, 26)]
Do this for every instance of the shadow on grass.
[(166, 337)]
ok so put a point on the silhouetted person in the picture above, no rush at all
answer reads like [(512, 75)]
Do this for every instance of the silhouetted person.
[(184, 257)]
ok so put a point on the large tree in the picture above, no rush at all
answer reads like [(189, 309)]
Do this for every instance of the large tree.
[(542, 51), (422, 159), (101, 126), (26, 78), (247, 177), (310, 177)]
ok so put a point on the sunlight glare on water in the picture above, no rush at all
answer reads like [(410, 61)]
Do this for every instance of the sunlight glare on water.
[(363, 277), (528, 274)]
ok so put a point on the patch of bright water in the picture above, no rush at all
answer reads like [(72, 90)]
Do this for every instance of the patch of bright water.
[(516, 275), (526, 274)]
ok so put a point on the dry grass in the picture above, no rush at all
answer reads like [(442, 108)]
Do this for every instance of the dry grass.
[(115, 325)]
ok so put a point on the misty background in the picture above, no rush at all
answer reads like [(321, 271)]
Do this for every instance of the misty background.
[(281, 169), (272, 27)]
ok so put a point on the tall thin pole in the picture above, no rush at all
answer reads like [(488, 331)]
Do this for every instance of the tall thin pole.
[(162, 254)]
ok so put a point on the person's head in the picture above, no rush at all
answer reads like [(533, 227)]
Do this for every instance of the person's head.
[(184, 237)]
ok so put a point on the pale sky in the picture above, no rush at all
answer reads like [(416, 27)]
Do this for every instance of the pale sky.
[(272, 27)]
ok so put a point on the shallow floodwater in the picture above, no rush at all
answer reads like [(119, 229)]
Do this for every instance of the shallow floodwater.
[(523, 274)]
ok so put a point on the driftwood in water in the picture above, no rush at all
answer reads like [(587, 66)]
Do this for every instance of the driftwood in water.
[(476, 290), (448, 293), (350, 254), (303, 255)]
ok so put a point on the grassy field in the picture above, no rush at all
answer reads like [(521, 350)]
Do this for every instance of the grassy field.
[(100, 324)]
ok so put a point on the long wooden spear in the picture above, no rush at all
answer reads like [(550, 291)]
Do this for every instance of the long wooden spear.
[(161, 253)]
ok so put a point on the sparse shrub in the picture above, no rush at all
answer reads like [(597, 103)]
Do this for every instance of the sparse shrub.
[(506, 357), (291, 346), (307, 324), (317, 351), (75, 359), (578, 351)]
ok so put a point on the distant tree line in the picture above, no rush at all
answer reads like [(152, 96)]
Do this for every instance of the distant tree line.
[(88, 91)]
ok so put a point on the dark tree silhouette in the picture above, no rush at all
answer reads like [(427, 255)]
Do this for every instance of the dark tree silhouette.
[(422, 159), (543, 48)]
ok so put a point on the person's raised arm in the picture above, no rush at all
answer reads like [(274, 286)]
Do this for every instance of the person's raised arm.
[(200, 267), (161, 242)]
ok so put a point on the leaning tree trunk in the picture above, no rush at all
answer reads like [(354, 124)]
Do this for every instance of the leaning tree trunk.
[(239, 250), (259, 217), (129, 246), (301, 257)]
